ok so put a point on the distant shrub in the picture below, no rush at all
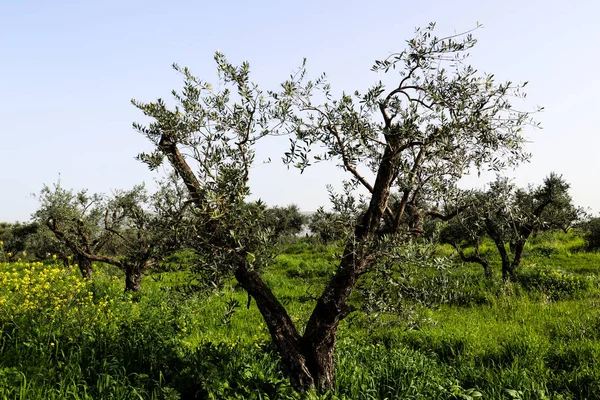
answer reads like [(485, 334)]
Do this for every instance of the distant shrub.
[(557, 285), (592, 236), (329, 226)]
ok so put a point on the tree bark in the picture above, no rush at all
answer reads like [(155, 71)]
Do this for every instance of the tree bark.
[(320, 335), (475, 258), (507, 270), (133, 278), (518, 253), (85, 266), (309, 359), (282, 329)]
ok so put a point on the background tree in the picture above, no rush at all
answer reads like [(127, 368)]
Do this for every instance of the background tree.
[(439, 119), (43, 243), (138, 235), (15, 237), (592, 233), (464, 232), (328, 226), (76, 220), (509, 216), (285, 221)]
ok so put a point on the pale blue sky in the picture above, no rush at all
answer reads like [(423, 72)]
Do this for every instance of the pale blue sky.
[(69, 68)]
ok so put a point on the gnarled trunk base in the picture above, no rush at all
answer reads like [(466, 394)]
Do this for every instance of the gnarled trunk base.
[(133, 279), (85, 266)]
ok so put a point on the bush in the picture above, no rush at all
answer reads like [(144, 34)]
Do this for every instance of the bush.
[(592, 236), (544, 251)]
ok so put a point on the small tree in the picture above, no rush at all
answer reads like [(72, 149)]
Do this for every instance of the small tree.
[(438, 120), (465, 232), (329, 226), (76, 221), (43, 243), (128, 230), (139, 237), (592, 233)]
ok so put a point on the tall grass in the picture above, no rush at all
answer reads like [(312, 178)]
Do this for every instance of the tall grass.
[(453, 335)]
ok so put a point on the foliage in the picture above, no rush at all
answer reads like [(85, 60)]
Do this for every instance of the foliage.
[(129, 229), (141, 234), (14, 238), (328, 226), (167, 346), (43, 243), (556, 284), (216, 129), (592, 235), (509, 216), (38, 294), (285, 221), (75, 220)]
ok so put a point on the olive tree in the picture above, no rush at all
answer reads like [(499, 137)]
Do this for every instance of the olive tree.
[(328, 226), (417, 135), (139, 233), (509, 216), (465, 232), (592, 233), (285, 221), (129, 229), (76, 221)]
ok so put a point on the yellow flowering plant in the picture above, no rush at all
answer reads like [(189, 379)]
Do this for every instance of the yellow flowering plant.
[(35, 294)]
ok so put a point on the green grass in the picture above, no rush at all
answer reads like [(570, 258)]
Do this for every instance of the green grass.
[(452, 335)]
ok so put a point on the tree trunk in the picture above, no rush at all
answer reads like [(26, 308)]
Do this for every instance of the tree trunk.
[(507, 270), (475, 258), (309, 360), (85, 266), (519, 247), (133, 278), (280, 325), (487, 270), (320, 335)]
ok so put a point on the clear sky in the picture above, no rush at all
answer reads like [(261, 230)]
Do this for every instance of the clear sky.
[(68, 70)]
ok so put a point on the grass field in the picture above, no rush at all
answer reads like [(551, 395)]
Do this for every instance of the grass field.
[(451, 335)]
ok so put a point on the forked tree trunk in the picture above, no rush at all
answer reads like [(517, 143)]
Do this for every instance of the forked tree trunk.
[(519, 247), (507, 271), (321, 331), (282, 329), (309, 359), (85, 266)]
